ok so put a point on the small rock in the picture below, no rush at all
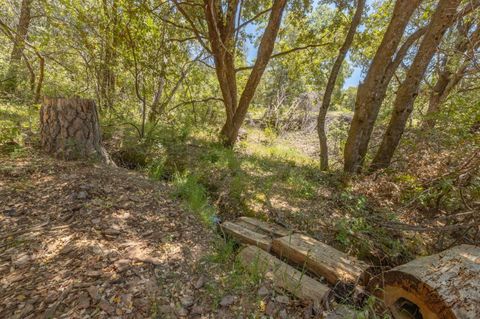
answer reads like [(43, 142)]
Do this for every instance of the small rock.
[(165, 309), (182, 312), (282, 299), (83, 301), (122, 264), (93, 292), (283, 314), (187, 301), (21, 260), (227, 301), (81, 195), (270, 308), (197, 310), (105, 306), (200, 282), (263, 291)]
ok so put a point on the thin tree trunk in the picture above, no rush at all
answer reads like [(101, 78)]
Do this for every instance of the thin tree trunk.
[(369, 96), (221, 35), (442, 19), (18, 46), (41, 73), (263, 56), (107, 74), (436, 97), (327, 97)]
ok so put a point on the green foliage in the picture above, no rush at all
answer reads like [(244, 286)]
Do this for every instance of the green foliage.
[(194, 194)]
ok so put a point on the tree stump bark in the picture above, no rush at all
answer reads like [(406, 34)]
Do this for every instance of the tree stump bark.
[(441, 286), (69, 129)]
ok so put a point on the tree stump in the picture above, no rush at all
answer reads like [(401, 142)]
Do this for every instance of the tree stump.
[(69, 129), (441, 286)]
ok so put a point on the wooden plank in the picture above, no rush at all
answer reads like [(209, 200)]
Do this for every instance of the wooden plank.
[(272, 229), (246, 236), (252, 227), (320, 259), (284, 276)]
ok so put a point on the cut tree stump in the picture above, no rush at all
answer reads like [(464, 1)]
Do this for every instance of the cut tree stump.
[(284, 276), (441, 286), (321, 259), (246, 236), (69, 129)]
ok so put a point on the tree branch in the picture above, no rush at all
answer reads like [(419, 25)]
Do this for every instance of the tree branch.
[(276, 55)]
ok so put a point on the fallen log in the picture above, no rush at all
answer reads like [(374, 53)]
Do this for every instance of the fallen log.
[(321, 259), (246, 236), (441, 286), (284, 276)]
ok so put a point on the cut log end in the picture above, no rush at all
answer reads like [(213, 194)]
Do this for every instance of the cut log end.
[(441, 286)]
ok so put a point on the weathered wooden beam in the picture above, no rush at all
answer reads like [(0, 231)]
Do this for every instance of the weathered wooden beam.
[(270, 228), (284, 276), (246, 236), (320, 259), (445, 285)]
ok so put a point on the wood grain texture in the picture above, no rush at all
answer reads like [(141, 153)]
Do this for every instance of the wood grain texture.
[(284, 276), (246, 236), (320, 259), (443, 286), (270, 228)]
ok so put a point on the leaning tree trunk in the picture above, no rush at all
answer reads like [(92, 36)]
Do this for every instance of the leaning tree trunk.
[(69, 129), (442, 286), (442, 19)]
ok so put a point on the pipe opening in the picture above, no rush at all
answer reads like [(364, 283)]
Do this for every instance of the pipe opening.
[(407, 309)]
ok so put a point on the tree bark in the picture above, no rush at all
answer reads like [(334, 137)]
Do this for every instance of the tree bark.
[(221, 35), (371, 91), (106, 72), (442, 19), (69, 129), (332, 79), (10, 84)]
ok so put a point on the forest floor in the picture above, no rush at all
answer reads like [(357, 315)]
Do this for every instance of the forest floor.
[(80, 240)]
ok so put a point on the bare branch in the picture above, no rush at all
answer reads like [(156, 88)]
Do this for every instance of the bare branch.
[(276, 55)]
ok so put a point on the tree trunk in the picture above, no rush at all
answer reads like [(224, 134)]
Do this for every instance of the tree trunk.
[(442, 19), (107, 74), (371, 92), (327, 97), (221, 35), (442, 286), (436, 97), (69, 129), (18, 46)]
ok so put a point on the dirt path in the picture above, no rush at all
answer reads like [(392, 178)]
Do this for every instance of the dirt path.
[(81, 241)]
